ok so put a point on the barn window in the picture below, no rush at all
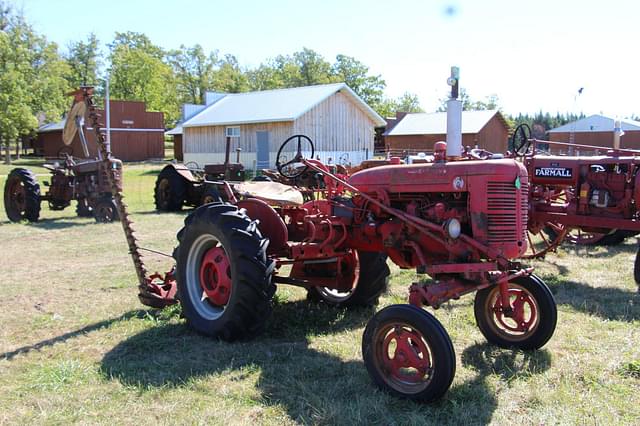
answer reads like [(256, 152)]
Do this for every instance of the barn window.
[(233, 132)]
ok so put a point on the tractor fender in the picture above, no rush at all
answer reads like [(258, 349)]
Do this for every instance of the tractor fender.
[(183, 171), (270, 223)]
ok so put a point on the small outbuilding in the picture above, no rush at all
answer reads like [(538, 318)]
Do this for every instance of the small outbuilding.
[(417, 132), (136, 134), (596, 130), (337, 120)]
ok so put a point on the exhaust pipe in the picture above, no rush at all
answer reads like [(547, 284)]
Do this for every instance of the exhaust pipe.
[(454, 117)]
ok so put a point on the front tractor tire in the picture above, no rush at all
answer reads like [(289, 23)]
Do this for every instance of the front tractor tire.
[(170, 190), (371, 281), (408, 353), (105, 210), (531, 322), (223, 274), (22, 196)]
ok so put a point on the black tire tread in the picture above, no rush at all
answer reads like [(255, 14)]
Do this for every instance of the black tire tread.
[(547, 321), (177, 190), (250, 305), (32, 194), (439, 342), (373, 282)]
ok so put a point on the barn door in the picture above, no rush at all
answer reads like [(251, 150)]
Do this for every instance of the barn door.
[(262, 154)]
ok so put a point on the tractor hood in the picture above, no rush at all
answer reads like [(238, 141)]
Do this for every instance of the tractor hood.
[(453, 176)]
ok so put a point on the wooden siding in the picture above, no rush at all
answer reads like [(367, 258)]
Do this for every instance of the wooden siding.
[(336, 126), (630, 139), (492, 137)]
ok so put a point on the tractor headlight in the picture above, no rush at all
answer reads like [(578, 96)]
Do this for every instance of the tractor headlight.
[(453, 227)]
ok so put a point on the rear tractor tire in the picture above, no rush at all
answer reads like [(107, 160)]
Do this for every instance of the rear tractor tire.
[(408, 353), (223, 273), (170, 191), (529, 325), (371, 281), (22, 196)]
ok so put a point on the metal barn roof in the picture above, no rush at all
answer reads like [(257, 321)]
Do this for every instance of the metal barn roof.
[(52, 127), (273, 105), (175, 131), (436, 123), (596, 123)]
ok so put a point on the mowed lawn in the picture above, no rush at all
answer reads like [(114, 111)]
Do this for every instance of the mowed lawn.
[(76, 346)]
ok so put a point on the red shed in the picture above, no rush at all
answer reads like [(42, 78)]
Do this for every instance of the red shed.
[(136, 134), (417, 132)]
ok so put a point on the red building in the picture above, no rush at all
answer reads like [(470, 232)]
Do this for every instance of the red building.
[(417, 132), (136, 134)]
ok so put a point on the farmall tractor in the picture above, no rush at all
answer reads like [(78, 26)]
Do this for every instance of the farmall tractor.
[(582, 198), (86, 181), (459, 222)]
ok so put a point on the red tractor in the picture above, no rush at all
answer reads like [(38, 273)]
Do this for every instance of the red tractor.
[(459, 222), (581, 198), (86, 181)]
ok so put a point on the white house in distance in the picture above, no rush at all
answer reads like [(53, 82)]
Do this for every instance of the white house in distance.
[(333, 116)]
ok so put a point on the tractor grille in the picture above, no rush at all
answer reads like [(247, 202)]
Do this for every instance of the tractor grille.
[(506, 214)]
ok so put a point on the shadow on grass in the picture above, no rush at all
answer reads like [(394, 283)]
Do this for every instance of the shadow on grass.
[(295, 372), (610, 303), (477, 396), (61, 223), (70, 335)]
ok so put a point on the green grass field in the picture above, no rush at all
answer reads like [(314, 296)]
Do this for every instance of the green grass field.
[(76, 346)]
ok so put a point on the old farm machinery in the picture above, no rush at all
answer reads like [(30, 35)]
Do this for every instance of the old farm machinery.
[(85, 181), (580, 198), (179, 185), (459, 222)]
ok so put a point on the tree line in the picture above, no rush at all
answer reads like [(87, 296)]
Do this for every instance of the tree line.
[(35, 76)]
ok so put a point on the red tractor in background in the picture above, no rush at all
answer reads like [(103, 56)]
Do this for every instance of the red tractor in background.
[(596, 196), (86, 181)]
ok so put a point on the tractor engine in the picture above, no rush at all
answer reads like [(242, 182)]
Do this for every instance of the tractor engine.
[(484, 200)]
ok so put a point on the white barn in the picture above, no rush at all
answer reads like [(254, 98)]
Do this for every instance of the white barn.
[(337, 120)]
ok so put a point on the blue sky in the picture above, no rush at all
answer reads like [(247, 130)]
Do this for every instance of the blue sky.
[(532, 54)]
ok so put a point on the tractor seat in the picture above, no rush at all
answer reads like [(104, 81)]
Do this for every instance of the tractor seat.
[(87, 166), (270, 192)]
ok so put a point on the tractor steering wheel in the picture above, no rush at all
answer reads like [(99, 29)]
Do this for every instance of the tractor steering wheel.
[(289, 169), (521, 139)]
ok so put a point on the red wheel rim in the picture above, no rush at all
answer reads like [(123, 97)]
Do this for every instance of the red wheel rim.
[(215, 276), (404, 358), (17, 195), (523, 315)]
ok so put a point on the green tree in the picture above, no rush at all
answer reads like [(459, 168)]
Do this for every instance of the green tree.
[(408, 102), (229, 78), (265, 77), (194, 72), (31, 79), (468, 104), (138, 72), (84, 60), (356, 75), (314, 69)]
